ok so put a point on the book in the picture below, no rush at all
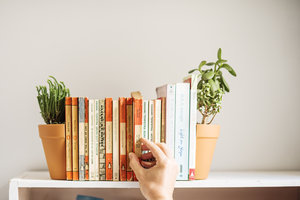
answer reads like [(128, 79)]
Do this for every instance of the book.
[(151, 120), (115, 129), (145, 118), (108, 139), (182, 116), (163, 119), (68, 116), (86, 138), (102, 140), (168, 91), (75, 137), (96, 140), (122, 137), (137, 126), (192, 80), (91, 139), (81, 142), (157, 121), (129, 135)]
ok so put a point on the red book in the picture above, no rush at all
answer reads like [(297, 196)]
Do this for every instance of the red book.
[(129, 136), (122, 137), (108, 139), (86, 138)]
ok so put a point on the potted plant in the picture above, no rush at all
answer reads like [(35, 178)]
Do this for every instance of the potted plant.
[(210, 90), (52, 106)]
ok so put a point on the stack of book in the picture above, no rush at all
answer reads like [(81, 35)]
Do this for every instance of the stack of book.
[(100, 133)]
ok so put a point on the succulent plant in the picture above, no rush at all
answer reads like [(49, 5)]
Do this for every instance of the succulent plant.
[(52, 101), (211, 87)]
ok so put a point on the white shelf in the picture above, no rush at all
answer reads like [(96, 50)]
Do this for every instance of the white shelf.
[(215, 180)]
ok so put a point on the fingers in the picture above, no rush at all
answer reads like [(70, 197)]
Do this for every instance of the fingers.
[(147, 164), (135, 165), (155, 150), (165, 149)]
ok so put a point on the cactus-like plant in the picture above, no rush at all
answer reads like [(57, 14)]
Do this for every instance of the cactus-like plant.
[(211, 87), (52, 101)]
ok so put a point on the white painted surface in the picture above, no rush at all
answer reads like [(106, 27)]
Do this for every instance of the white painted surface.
[(99, 47), (215, 180)]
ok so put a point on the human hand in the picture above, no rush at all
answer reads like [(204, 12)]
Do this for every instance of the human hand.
[(156, 177)]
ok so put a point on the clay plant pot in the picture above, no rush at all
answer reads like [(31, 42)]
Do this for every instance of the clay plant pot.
[(207, 136), (54, 144)]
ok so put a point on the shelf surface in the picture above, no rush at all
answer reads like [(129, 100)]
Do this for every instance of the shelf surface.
[(215, 180)]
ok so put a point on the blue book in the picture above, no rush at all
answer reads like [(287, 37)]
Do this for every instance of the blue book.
[(83, 197)]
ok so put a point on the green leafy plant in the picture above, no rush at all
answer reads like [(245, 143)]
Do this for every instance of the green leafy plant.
[(211, 87), (52, 101)]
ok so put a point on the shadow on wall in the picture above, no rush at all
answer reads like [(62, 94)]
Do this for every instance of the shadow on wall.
[(4, 192)]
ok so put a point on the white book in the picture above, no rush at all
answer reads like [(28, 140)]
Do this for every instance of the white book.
[(192, 79), (91, 139), (182, 126), (168, 91), (151, 120), (96, 140), (81, 110), (145, 120), (157, 121), (116, 153)]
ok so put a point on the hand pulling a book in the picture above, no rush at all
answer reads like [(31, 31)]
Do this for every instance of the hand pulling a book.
[(156, 172)]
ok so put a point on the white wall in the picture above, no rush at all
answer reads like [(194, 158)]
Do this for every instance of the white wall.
[(109, 48)]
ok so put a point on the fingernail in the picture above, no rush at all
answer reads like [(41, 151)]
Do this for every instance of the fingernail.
[(130, 155)]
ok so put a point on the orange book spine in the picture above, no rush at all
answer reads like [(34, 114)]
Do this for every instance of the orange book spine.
[(75, 137), (68, 116), (129, 136), (137, 128), (163, 119), (108, 139), (122, 136), (86, 138)]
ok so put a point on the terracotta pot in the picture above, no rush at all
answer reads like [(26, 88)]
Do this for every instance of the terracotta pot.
[(207, 136), (53, 139)]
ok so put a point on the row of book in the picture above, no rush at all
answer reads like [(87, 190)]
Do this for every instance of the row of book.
[(100, 133)]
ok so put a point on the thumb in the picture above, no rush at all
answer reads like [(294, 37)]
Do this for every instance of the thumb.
[(135, 165)]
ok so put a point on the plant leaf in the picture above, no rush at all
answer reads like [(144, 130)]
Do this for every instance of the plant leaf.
[(229, 69), (210, 64), (191, 71), (227, 89), (219, 54), (213, 85), (208, 75), (201, 64)]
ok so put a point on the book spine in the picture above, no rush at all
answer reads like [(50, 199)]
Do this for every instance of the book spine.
[(129, 136), (102, 140), (192, 80), (122, 137), (145, 118), (81, 108), (137, 126), (151, 120), (116, 174), (91, 139), (182, 129), (96, 140), (68, 116), (75, 137), (108, 139), (86, 138), (163, 119), (157, 121)]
